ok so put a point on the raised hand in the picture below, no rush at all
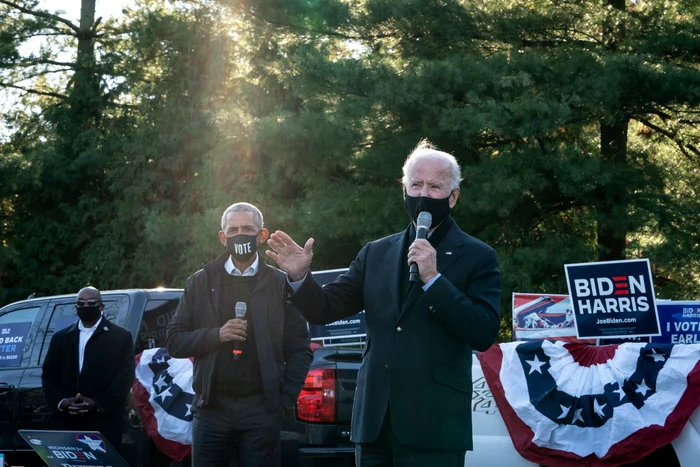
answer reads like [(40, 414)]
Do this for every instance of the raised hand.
[(289, 256)]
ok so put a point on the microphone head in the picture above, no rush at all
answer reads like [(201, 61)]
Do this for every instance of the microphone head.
[(241, 308), (424, 220)]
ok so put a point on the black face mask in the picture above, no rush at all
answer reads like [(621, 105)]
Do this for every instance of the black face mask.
[(439, 208), (88, 313), (242, 247)]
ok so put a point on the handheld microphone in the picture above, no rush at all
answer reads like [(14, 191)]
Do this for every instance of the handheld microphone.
[(241, 308), (422, 225)]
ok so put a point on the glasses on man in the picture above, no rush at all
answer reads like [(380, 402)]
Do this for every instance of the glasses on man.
[(90, 302)]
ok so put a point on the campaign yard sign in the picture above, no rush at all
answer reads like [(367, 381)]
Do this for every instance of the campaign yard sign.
[(613, 299), (73, 448), (680, 322), (352, 327), (12, 338)]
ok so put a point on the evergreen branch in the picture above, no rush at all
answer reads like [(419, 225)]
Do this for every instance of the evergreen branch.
[(318, 31), (44, 72), (33, 91), (554, 43), (42, 61), (42, 34), (683, 147), (41, 14)]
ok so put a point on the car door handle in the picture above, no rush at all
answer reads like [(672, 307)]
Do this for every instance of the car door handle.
[(4, 387)]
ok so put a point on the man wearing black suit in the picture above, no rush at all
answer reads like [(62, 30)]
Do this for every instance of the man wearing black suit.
[(413, 400), (88, 371)]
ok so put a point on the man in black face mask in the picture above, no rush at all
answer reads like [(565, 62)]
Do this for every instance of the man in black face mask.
[(413, 398), (247, 371), (88, 371)]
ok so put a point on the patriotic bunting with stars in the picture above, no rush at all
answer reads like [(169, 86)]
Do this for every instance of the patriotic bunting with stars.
[(570, 404), (163, 394)]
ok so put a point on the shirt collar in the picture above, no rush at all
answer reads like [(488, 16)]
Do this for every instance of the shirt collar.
[(92, 329), (250, 271)]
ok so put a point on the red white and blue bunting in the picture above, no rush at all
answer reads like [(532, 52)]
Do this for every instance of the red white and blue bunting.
[(570, 404), (163, 395)]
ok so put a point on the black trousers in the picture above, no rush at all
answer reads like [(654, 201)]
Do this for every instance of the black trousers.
[(236, 432), (387, 451)]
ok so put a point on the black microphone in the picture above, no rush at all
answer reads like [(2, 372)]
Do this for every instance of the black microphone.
[(241, 308), (422, 225)]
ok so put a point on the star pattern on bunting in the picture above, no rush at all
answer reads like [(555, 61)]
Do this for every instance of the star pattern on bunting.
[(535, 365), (169, 395), (591, 409)]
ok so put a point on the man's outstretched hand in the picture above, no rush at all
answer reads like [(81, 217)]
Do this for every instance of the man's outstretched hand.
[(289, 256)]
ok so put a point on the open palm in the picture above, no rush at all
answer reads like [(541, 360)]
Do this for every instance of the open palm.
[(289, 256)]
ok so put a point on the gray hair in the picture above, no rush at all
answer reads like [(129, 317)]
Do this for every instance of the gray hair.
[(426, 150), (243, 207)]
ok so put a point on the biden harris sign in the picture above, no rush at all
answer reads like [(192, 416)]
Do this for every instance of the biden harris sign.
[(613, 299)]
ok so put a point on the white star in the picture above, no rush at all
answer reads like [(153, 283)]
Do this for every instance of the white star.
[(657, 356), (598, 409), (160, 360), (620, 392), (564, 411), (535, 365), (160, 382), (189, 406), (643, 389), (577, 416), (164, 394)]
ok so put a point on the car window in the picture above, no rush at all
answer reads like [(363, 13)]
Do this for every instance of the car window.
[(17, 331), (63, 314), (156, 316)]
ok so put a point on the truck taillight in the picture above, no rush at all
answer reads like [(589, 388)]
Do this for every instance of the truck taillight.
[(316, 402)]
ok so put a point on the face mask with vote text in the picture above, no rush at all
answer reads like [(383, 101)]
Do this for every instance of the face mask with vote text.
[(242, 247)]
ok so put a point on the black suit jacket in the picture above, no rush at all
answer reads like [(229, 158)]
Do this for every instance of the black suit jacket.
[(108, 368), (418, 356)]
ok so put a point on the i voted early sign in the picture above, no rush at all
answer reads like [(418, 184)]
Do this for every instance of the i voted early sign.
[(613, 299)]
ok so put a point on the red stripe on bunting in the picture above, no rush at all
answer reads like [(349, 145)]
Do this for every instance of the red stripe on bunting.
[(631, 449), (172, 449)]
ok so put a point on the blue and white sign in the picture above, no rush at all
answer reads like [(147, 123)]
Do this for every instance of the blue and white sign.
[(680, 322), (352, 326), (613, 299), (12, 337)]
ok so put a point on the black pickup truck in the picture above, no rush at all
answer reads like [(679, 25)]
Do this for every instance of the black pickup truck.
[(316, 433)]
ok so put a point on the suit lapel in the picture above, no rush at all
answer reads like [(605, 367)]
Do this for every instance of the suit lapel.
[(73, 336), (448, 251), (394, 257)]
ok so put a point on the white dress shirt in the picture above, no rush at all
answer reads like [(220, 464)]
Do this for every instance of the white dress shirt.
[(85, 335), (250, 271)]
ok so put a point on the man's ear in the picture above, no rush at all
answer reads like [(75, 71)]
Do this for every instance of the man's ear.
[(263, 235), (222, 238), (453, 197)]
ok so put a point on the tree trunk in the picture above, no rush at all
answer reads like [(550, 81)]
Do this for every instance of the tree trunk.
[(612, 204), (86, 36), (612, 209)]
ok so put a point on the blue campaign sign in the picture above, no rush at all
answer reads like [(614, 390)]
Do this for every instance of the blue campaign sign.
[(680, 322), (12, 337), (613, 299), (353, 326)]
